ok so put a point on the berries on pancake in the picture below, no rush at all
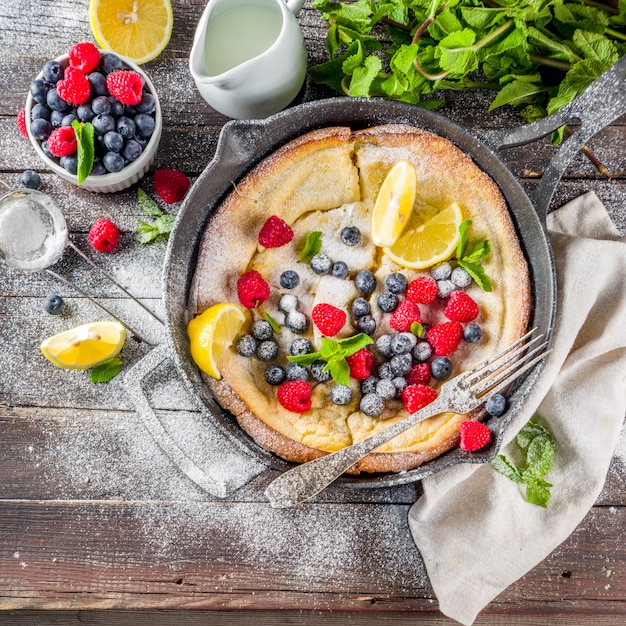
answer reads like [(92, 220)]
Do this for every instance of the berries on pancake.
[(275, 233), (422, 290), (461, 307), (416, 397), (444, 338), (361, 364), (404, 316), (252, 289), (419, 374), (350, 236), (328, 318), (295, 395), (474, 435)]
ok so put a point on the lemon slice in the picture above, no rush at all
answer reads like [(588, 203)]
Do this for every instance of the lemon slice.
[(136, 29), (422, 245), (85, 346), (394, 204), (212, 333)]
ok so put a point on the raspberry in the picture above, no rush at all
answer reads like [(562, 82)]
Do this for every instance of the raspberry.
[(328, 318), (252, 289), (74, 87), (406, 314), (422, 290), (461, 307), (474, 435), (416, 397), (126, 86), (170, 185), (104, 235), (275, 233), (62, 141), (84, 56), (361, 364), (444, 338), (419, 374), (295, 395), (21, 122)]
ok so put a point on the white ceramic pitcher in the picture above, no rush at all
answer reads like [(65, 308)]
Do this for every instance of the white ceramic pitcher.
[(248, 58)]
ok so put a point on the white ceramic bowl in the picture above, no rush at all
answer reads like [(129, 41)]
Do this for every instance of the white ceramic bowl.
[(114, 181)]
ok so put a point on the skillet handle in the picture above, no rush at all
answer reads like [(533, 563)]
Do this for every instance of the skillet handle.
[(599, 105)]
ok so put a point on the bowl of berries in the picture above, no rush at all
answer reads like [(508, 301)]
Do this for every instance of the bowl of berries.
[(94, 119)]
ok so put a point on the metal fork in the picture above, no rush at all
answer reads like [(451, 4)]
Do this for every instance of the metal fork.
[(461, 395)]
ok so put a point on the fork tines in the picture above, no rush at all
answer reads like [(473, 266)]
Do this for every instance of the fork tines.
[(494, 371)]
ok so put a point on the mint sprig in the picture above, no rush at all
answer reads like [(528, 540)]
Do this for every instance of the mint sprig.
[(537, 445), (470, 260), (161, 227), (312, 246), (335, 352), (104, 372), (85, 149)]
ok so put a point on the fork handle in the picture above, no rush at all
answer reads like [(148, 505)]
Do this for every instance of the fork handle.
[(307, 480)]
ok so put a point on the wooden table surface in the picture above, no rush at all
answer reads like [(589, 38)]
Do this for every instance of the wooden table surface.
[(95, 521)]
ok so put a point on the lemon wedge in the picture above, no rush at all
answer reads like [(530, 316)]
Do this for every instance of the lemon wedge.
[(422, 245), (212, 332), (394, 204), (136, 29), (85, 346)]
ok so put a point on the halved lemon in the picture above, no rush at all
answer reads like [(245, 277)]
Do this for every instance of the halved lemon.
[(85, 346), (136, 29), (423, 244), (394, 204), (212, 332)]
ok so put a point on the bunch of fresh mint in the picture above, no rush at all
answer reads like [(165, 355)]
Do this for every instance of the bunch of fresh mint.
[(160, 227), (536, 55), (537, 446)]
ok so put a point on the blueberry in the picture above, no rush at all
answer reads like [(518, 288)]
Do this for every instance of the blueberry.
[(46, 151), (321, 263), (56, 119), (53, 71), (30, 179), (98, 84), (147, 104), (40, 129), (103, 123), (441, 368), (246, 345), (101, 105), (110, 62), (366, 324), (442, 271), (288, 303), (296, 321), (52, 304), (341, 395), (446, 287), (39, 89), (460, 277), (68, 118), (145, 124), (98, 168), (372, 404), (113, 141), (400, 384), (55, 102), (113, 162), (400, 365), (339, 269), (69, 163), (365, 281), (300, 346), (126, 127), (396, 283), (85, 113), (422, 351), (360, 307), (293, 371), (496, 405), (386, 389), (142, 141), (387, 301), (318, 372), (403, 343), (117, 108), (267, 350), (383, 346), (350, 236), (369, 385), (472, 333), (289, 279), (274, 374), (40, 112), (384, 370), (262, 330), (132, 150)]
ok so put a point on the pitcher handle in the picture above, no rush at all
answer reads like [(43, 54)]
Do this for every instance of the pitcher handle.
[(294, 6)]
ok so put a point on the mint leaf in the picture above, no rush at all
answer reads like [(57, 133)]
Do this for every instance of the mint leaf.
[(479, 251), (164, 223), (363, 77), (417, 329), (146, 233), (353, 344), (273, 323), (304, 359), (148, 205), (312, 246), (104, 372), (476, 271), (85, 149), (161, 228), (538, 492), (339, 370), (505, 467)]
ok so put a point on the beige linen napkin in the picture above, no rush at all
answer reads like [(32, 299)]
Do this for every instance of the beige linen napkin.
[(475, 531)]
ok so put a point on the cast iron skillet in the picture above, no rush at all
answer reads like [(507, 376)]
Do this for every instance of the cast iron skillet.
[(242, 144)]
